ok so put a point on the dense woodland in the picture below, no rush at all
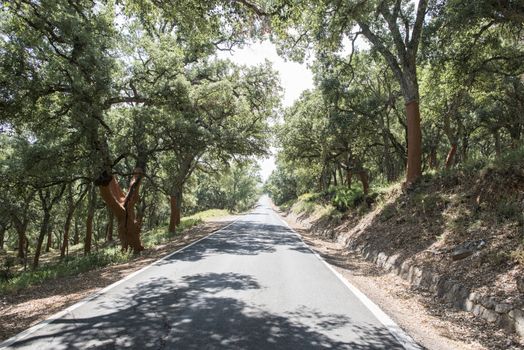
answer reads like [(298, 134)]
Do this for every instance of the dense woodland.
[(116, 116), (421, 89)]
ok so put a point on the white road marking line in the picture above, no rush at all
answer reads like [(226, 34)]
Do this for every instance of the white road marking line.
[(95, 295), (402, 337)]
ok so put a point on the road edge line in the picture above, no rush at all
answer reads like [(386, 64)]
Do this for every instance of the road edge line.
[(20, 336), (396, 331)]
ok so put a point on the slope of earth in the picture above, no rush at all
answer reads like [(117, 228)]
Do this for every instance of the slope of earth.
[(466, 225)]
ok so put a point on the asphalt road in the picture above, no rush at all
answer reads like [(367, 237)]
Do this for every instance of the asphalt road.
[(252, 285)]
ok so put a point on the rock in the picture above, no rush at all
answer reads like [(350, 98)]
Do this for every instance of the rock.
[(466, 249), (461, 254), (502, 308), (518, 317), (490, 315), (520, 283)]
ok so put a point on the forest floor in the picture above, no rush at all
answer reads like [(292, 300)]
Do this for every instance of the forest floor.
[(28, 306)]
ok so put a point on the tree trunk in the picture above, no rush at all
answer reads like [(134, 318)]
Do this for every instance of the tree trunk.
[(76, 236), (140, 211), (176, 209), (109, 228), (465, 147), (349, 177), (414, 164), (20, 228), (433, 162), (44, 229), (451, 156), (21, 243), (89, 220), (67, 228), (365, 181), (49, 239), (2, 236), (123, 208), (174, 213)]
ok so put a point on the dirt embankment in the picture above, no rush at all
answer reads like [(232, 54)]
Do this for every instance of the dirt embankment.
[(458, 236)]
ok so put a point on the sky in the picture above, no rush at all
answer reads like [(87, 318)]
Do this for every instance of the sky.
[(294, 78)]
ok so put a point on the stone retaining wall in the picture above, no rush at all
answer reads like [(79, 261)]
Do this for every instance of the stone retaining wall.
[(504, 315)]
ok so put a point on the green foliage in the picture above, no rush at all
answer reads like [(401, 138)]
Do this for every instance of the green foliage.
[(344, 198), (69, 267), (161, 234)]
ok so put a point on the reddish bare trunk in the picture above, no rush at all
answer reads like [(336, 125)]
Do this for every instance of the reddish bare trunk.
[(451, 156), (414, 163), (123, 208)]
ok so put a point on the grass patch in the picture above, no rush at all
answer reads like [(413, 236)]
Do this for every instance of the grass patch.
[(76, 264), (208, 214), (161, 234), (68, 267)]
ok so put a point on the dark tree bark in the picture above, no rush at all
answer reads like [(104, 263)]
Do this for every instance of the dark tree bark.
[(175, 202), (20, 228), (349, 177), (49, 243), (91, 206), (72, 206), (174, 213), (3, 229), (109, 228), (47, 201), (414, 168), (44, 228)]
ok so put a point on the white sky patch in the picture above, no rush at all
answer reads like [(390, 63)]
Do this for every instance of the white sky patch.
[(294, 78)]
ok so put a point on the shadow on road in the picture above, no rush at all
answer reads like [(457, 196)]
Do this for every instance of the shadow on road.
[(197, 313), (243, 238)]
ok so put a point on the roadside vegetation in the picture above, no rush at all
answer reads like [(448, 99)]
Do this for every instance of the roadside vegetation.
[(15, 278), (118, 123)]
